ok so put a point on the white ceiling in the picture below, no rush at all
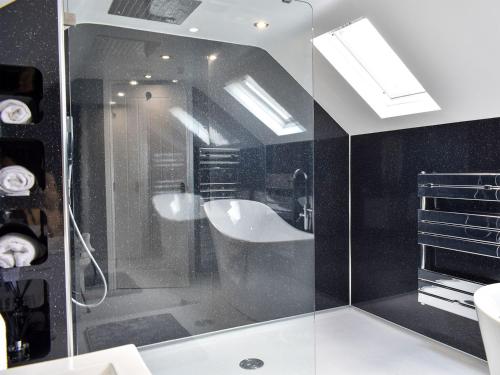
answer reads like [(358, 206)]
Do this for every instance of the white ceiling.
[(288, 38), (451, 46)]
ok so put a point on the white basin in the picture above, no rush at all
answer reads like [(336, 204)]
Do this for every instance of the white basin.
[(487, 301), (123, 360), (104, 369)]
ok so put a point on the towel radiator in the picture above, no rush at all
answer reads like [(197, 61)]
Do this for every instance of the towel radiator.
[(463, 227), (218, 169), (168, 173)]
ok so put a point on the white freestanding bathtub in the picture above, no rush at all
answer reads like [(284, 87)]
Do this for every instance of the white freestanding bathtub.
[(266, 266), (487, 301), (177, 213)]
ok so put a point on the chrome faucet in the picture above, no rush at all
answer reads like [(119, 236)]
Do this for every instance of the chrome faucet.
[(306, 209)]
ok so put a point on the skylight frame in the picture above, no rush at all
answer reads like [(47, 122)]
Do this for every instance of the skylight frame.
[(367, 83), (262, 105)]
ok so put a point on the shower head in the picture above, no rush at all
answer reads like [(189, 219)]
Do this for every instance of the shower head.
[(168, 11)]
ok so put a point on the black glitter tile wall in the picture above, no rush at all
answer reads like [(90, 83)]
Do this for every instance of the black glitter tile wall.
[(384, 222), (29, 43)]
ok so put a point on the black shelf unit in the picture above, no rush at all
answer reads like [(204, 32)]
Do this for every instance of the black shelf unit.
[(33, 24)]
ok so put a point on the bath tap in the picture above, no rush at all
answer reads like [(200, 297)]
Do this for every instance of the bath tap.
[(306, 210)]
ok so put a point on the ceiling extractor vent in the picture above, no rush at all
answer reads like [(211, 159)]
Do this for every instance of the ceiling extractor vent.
[(168, 11)]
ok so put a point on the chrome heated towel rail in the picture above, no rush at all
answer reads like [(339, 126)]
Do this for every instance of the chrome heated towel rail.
[(462, 230)]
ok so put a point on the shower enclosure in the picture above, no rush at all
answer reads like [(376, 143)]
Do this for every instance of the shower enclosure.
[(191, 163)]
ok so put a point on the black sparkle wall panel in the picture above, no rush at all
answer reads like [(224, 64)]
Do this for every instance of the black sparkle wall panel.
[(30, 42), (384, 222), (89, 163), (331, 216)]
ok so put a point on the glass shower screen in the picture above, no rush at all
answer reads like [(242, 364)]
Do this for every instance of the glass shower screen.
[(192, 182)]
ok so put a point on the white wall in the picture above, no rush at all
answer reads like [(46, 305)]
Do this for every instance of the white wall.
[(452, 47)]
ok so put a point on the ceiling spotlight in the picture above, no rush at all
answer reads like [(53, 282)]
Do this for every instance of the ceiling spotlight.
[(148, 76), (112, 103), (134, 83), (121, 94), (194, 30), (165, 57), (261, 25), (175, 80), (212, 57)]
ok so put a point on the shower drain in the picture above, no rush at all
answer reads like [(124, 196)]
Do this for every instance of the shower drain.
[(251, 363)]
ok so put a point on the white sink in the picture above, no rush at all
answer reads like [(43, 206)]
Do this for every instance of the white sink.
[(123, 360), (105, 369), (487, 301)]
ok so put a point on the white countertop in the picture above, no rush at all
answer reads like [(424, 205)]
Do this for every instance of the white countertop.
[(123, 360)]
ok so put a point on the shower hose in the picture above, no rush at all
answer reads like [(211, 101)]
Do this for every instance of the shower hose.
[(85, 246), (87, 250)]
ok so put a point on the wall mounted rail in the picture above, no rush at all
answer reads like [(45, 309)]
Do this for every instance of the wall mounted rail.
[(463, 229)]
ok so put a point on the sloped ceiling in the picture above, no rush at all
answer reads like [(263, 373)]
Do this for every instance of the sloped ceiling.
[(451, 46)]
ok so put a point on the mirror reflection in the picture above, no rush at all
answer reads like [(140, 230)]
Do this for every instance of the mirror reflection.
[(192, 183)]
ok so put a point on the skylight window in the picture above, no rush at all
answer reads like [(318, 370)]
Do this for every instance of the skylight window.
[(367, 62), (263, 106)]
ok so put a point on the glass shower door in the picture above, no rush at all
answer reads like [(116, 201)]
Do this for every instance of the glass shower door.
[(192, 182)]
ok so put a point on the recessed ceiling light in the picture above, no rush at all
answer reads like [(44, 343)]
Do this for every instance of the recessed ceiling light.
[(369, 64), (175, 80), (165, 57), (261, 25), (121, 94), (112, 103), (134, 83), (148, 76), (212, 57), (194, 30)]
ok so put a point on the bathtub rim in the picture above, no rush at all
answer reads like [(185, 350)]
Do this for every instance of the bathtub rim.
[(307, 236)]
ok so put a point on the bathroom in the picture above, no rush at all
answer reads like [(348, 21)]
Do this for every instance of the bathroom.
[(274, 186)]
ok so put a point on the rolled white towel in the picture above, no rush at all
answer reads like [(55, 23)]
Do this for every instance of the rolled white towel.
[(7, 260), (14, 112), (24, 249), (16, 181)]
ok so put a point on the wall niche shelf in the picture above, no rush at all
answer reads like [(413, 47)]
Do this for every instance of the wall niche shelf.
[(23, 83), (31, 222), (24, 306), (29, 72), (28, 153)]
